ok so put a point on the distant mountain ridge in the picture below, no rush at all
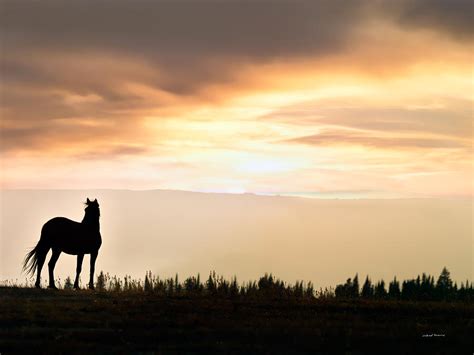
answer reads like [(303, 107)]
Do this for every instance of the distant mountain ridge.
[(246, 235)]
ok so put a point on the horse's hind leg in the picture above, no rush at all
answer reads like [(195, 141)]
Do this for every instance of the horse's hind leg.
[(41, 259), (51, 265)]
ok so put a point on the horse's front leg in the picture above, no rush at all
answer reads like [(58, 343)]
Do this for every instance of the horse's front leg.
[(93, 258), (80, 257)]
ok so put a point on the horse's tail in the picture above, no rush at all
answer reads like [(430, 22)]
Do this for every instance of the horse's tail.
[(31, 259)]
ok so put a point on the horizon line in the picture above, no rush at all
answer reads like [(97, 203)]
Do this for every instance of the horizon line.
[(316, 195)]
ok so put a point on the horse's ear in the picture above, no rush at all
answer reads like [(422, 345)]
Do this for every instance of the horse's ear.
[(95, 200), (88, 201)]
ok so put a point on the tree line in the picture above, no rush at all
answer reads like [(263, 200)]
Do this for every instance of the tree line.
[(421, 288)]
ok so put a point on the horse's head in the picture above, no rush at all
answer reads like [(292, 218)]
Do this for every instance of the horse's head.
[(92, 207)]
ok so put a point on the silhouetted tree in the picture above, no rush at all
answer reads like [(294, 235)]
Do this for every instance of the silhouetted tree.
[(223, 286), (177, 284), (367, 289), (355, 287), (425, 290), (234, 287), (344, 291), (68, 283), (444, 280), (116, 284), (148, 285), (326, 293), (309, 291), (409, 290), (444, 286), (349, 290), (211, 284), (466, 292), (101, 282), (380, 291), (394, 289), (126, 286)]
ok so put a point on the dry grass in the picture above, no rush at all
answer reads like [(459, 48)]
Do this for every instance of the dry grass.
[(108, 322)]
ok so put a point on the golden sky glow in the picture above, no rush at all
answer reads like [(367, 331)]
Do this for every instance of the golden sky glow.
[(370, 99)]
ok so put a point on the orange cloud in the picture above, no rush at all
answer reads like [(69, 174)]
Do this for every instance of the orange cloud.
[(224, 91)]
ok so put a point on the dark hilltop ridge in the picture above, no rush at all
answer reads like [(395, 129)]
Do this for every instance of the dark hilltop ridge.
[(222, 316)]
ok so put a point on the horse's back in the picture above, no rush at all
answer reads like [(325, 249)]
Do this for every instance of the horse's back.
[(60, 227), (60, 224)]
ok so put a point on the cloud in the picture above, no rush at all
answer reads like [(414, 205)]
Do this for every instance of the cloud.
[(166, 29), (175, 46), (53, 136), (349, 138), (111, 152), (232, 28), (453, 17), (438, 116), (66, 66), (182, 46)]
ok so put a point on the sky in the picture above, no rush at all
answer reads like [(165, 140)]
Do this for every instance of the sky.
[(336, 98)]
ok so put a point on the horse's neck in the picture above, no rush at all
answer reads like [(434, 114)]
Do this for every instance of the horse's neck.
[(90, 221)]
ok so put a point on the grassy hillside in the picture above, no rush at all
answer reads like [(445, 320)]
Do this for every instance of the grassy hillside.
[(91, 321)]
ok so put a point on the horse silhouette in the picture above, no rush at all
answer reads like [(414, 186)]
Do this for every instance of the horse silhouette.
[(63, 235)]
